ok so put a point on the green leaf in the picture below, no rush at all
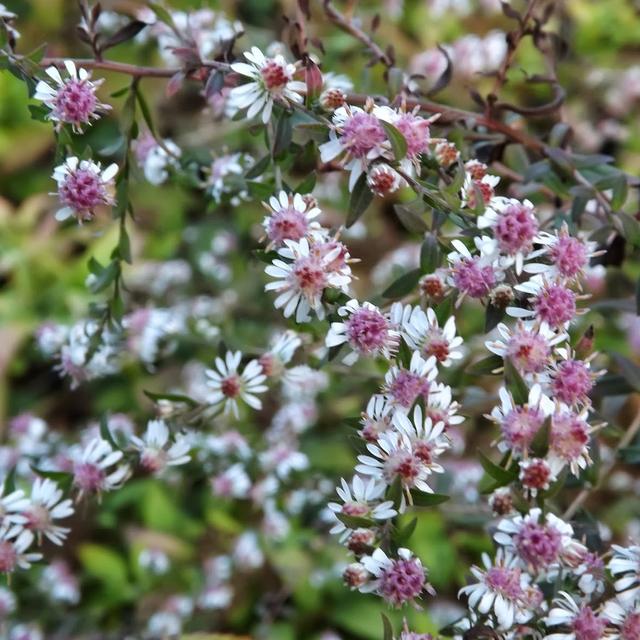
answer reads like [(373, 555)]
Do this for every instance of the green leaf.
[(629, 226), (388, 628), (308, 184), (397, 140), (105, 433), (63, 478), (354, 522), (504, 476), (162, 14), (361, 197), (170, 397), (485, 366), (283, 135), (144, 109), (108, 568), (429, 254), (105, 277), (421, 499), (515, 384), (258, 168), (411, 218), (404, 285), (402, 536)]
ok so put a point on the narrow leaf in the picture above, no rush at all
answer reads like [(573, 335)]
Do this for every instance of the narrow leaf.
[(361, 197), (404, 285)]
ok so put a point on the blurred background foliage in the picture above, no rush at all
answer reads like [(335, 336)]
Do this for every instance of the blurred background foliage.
[(43, 268)]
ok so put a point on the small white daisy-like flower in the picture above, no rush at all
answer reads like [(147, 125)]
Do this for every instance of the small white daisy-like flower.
[(232, 483), (403, 387), (47, 505), (501, 590), (515, 227), (377, 417), (271, 80), (281, 350), (426, 438), (361, 499), (228, 384), (580, 621), (399, 581), (625, 567), (365, 329), (82, 187), (383, 180), (72, 99), (357, 138), (291, 217), (483, 188), (529, 346), (542, 544), (441, 407), (625, 617), (156, 450), (93, 468), (14, 545), (475, 275), (301, 281), (422, 331), (568, 254), (283, 459), (569, 440), (519, 424)]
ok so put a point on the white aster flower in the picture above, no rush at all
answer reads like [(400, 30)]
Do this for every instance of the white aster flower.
[(47, 505), (228, 384), (156, 450), (93, 468)]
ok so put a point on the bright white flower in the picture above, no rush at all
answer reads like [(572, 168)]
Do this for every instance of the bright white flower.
[(569, 440), (232, 483), (291, 217), (403, 387), (542, 544), (357, 137), (625, 616), (283, 459), (58, 582), (7, 603), (157, 452), (12, 506), (14, 544), (422, 331), (93, 468), (501, 590), (159, 160), (357, 501), (441, 407), (365, 329), (228, 384), (519, 424), (301, 281), (383, 180), (484, 187), (155, 561), (222, 171), (271, 80), (426, 438), (377, 417), (72, 99), (580, 620), (82, 186), (529, 346), (475, 275), (282, 347), (247, 552), (47, 504), (302, 383), (625, 566)]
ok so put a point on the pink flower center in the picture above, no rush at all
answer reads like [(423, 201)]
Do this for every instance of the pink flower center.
[(88, 476), (368, 330), (415, 131), (504, 581), (355, 509), (230, 386), (75, 102), (407, 387), (8, 557), (153, 460), (403, 465), (424, 451), (435, 344), (82, 190), (485, 189), (432, 286), (362, 133), (373, 428), (338, 263), (631, 627), (310, 276), (538, 545), (569, 255), (572, 382), (520, 426), (556, 305), (402, 582), (587, 625), (287, 224), (274, 75), (515, 229), (569, 436), (382, 181), (472, 278), (528, 351), (38, 518)]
